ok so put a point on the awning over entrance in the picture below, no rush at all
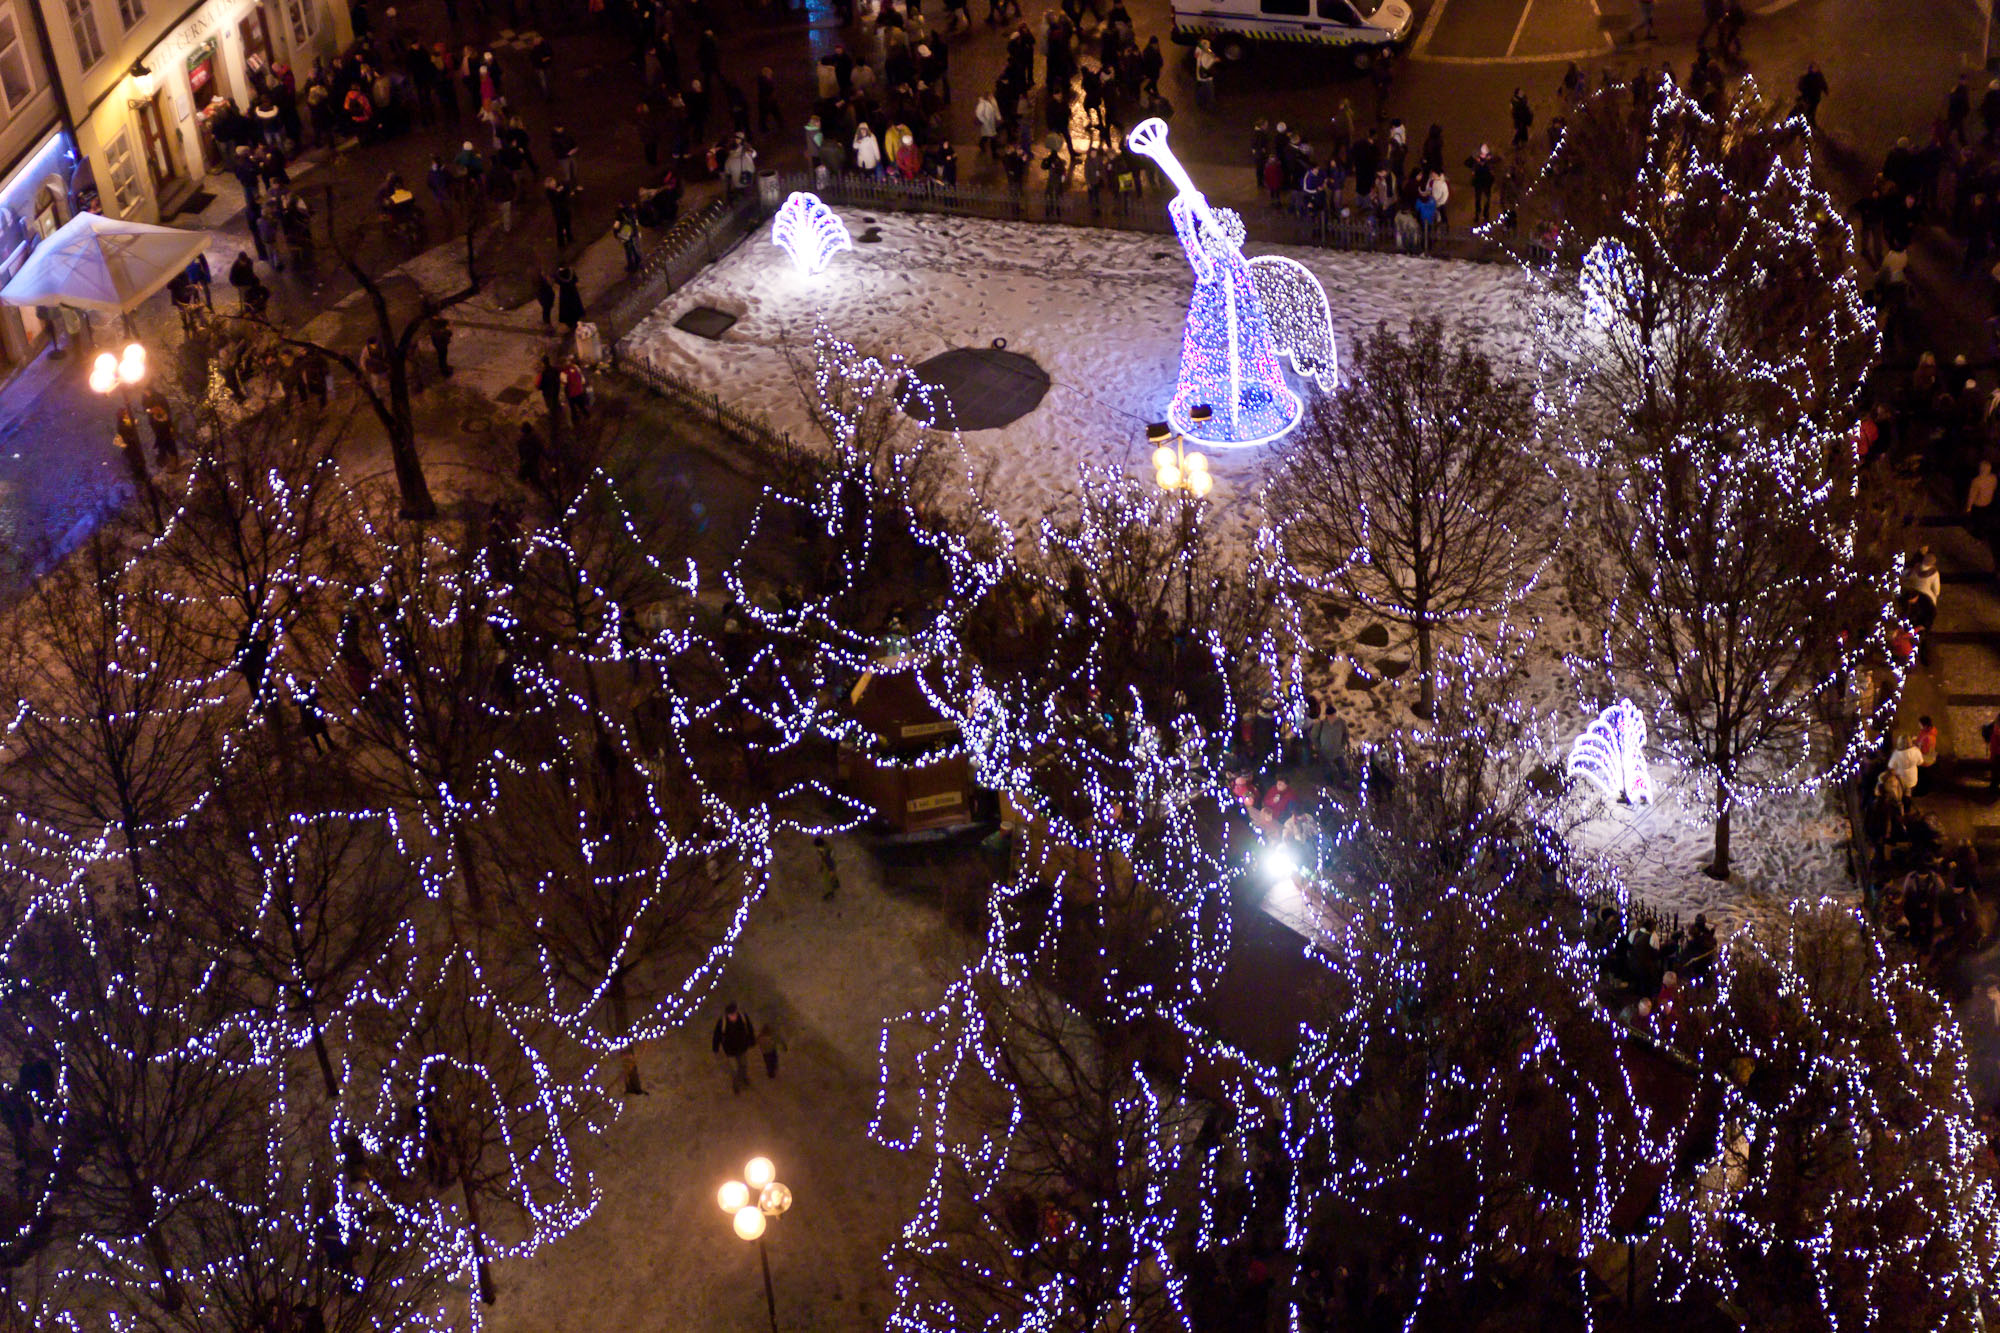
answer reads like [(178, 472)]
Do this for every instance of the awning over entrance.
[(97, 263)]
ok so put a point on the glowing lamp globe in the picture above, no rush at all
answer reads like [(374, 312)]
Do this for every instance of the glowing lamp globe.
[(1199, 482), (132, 366), (734, 1197), (749, 1222), (104, 373), (774, 1199), (1169, 477), (759, 1172), (810, 232), (1163, 458)]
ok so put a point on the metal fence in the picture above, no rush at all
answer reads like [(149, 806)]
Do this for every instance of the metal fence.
[(690, 245), (1290, 224)]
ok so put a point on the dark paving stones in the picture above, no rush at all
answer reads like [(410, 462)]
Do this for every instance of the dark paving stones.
[(978, 388)]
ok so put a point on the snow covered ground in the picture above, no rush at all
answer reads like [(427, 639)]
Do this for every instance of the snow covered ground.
[(1101, 312)]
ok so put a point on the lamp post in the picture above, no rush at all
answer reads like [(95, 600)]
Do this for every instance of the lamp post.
[(119, 372), (750, 1203), (1184, 472)]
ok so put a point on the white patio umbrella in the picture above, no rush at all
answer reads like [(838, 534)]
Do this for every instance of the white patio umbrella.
[(97, 263)]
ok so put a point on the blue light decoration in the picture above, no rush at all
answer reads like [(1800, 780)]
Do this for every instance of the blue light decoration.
[(808, 231), (1229, 360), (1610, 283), (1611, 755)]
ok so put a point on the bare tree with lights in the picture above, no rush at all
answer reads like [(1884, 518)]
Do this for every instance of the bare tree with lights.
[(1458, 1112), (1735, 597), (1852, 1188), (119, 708), (1415, 491), (1701, 280)]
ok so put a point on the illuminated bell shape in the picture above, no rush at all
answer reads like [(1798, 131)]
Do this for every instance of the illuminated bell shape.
[(774, 1200), (1163, 457), (1170, 477), (759, 1172), (749, 1222), (733, 1196)]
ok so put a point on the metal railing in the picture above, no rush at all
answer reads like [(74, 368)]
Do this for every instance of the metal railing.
[(1291, 224), (690, 245)]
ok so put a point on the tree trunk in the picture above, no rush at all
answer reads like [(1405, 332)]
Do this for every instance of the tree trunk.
[(481, 1270), (325, 1059), (171, 1297), (621, 1019), (468, 871), (1426, 656), (1719, 867), (410, 483)]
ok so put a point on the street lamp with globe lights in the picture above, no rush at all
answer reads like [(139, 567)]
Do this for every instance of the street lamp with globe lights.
[(751, 1202), (1183, 472), (119, 372)]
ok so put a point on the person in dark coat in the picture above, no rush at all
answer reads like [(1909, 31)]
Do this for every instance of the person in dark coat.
[(559, 195), (166, 449), (569, 301), (528, 445), (545, 295), (734, 1038), (440, 332)]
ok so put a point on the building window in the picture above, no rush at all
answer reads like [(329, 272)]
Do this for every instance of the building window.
[(124, 173), (304, 16), (83, 31), (17, 75), (130, 12)]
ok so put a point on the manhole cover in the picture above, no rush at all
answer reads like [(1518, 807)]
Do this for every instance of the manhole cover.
[(475, 425), (977, 388), (705, 321)]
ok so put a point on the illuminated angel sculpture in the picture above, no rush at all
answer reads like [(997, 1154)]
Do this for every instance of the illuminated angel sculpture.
[(810, 232), (1301, 322), (1229, 361), (1611, 755)]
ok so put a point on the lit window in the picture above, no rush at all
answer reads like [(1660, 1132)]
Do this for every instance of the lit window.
[(304, 17), (83, 31), (17, 75), (123, 172)]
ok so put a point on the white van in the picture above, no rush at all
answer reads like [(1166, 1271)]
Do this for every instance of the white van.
[(1363, 27)]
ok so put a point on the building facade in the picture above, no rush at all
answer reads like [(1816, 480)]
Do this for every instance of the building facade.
[(38, 163), (142, 84)]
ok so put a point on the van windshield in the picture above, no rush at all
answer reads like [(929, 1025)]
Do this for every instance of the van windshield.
[(1365, 9)]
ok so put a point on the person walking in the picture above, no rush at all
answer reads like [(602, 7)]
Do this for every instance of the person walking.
[(1205, 61), (1927, 753), (166, 449), (1523, 117), (625, 226), (559, 210), (577, 390), (769, 1042), (1483, 165), (1812, 91), (528, 445), (986, 112), (545, 295), (440, 332), (1979, 508), (569, 301), (733, 1038), (768, 115)]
